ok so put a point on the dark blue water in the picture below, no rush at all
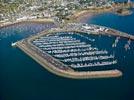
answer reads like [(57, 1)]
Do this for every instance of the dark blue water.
[(21, 78), (122, 23), (121, 0), (126, 59)]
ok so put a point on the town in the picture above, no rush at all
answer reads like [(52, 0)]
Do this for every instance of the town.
[(60, 11)]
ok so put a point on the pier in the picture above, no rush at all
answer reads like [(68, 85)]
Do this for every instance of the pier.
[(98, 30)]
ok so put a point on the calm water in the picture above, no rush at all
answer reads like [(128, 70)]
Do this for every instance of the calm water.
[(21, 78), (122, 23)]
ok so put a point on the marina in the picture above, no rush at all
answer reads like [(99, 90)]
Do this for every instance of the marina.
[(68, 50)]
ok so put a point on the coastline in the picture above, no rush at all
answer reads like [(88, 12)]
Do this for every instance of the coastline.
[(125, 13), (83, 15), (7, 24)]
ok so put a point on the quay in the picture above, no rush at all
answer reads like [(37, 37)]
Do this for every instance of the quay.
[(96, 30)]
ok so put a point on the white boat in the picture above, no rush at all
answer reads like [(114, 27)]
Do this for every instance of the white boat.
[(13, 44)]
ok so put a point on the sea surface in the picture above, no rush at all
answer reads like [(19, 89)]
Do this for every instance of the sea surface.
[(21, 78)]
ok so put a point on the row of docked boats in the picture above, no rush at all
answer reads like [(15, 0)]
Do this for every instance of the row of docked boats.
[(90, 58), (80, 53), (76, 50), (63, 47), (126, 46), (39, 42), (116, 41), (103, 63)]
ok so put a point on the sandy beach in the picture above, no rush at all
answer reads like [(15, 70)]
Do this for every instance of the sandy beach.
[(5, 24), (83, 16)]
